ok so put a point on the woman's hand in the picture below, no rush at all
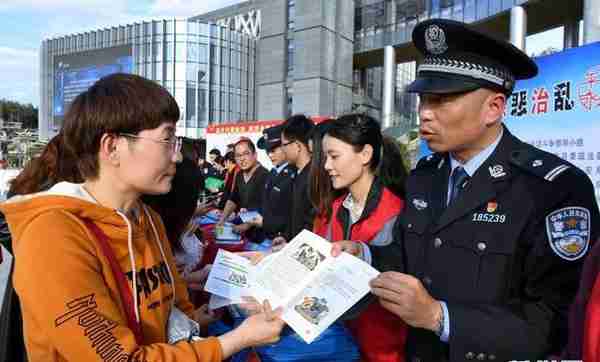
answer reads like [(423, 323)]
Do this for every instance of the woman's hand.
[(196, 280), (242, 228), (278, 243), (205, 316), (255, 257), (348, 246), (259, 329)]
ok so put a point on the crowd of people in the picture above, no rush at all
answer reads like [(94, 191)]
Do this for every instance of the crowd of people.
[(486, 249)]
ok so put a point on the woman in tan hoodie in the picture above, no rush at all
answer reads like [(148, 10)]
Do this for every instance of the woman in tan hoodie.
[(122, 131)]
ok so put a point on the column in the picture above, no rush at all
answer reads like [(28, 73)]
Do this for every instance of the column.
[(389, 86), (571, 34), (518, 26), (591, 21)]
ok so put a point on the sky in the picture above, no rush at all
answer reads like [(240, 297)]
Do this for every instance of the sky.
[(25, 23)]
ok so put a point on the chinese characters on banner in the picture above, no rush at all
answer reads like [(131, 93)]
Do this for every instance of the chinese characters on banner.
[(559, 110)]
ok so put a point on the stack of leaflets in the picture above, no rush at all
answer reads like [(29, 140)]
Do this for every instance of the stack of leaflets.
[(313, 288), (248, 216), (226, 235)]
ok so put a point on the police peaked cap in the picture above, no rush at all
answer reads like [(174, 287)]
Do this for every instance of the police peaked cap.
[(271, 138), (458, 58)]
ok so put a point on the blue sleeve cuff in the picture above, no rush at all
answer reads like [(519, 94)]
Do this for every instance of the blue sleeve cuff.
[(446, 331), (366, 253)]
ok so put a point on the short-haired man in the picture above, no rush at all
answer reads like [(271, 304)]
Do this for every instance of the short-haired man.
[(277, 197), (249, 185), (490, 245), (294, 141)]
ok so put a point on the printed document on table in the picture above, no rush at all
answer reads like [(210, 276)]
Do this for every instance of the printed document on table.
[(313, 287), (230, 276)]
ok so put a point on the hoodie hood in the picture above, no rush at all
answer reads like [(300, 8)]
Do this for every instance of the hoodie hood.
[(20, 210)]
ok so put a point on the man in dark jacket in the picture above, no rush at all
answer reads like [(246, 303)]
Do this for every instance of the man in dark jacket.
[(294, 138), (489, 248)]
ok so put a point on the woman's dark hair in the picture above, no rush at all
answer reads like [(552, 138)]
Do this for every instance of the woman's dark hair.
[(320, 191), (55, 164), (177, 207), (360, 130), (118, 103), (220, 160), (229, 156)]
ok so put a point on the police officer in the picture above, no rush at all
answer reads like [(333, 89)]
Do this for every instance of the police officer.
[(491, 242), (277, 198)]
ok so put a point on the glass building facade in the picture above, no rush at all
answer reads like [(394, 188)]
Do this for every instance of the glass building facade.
[(209, 69), (378, 23)]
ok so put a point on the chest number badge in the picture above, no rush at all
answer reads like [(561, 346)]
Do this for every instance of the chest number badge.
[(490, 216)]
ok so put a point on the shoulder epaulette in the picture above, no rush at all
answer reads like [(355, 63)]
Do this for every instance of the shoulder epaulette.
[(539, 163), (430, 161)]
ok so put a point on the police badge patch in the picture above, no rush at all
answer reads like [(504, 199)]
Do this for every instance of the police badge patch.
[(435, 40), (569, 232)]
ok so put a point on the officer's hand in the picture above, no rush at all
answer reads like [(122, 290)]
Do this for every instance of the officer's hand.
[(350, 247), (242, 228), (406, 297)]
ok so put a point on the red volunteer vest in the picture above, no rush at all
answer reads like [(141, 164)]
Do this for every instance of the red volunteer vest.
[(381, 335)]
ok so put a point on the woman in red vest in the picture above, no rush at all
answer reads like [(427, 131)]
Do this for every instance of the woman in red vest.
[(357, 187)]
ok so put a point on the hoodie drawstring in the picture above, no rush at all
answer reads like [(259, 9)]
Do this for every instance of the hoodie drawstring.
[(132, 262), (162, 252), (132, 258)]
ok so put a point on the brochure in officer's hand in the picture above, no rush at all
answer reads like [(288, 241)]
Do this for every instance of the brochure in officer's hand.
[(313, 287)]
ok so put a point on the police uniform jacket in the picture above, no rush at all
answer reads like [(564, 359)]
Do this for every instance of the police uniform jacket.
[(505, 256), (277, 201), (303, 212)]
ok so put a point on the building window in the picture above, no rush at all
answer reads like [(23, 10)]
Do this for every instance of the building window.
[(290, 56), (290, 101), (291, 14)]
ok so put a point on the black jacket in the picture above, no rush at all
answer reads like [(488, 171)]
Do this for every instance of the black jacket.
[(498, 255), (303, 213), (277, 201)]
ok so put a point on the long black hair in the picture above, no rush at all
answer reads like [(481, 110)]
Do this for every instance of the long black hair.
[(386, 163), (177, 207)]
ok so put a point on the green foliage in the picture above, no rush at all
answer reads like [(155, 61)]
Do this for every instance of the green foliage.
[(11, 111)]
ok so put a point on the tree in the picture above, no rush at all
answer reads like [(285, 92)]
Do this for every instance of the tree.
[(11, 111)]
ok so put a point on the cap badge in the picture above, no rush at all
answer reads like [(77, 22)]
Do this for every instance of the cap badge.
[(435, 40)]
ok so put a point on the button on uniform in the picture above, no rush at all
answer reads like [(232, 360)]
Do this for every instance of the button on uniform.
[(469, 355), (481, 357), (437, 242), (492, 357), (481, 246)]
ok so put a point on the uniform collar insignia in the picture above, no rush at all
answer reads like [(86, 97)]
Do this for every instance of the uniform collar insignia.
[(419, 204), (497, 171)]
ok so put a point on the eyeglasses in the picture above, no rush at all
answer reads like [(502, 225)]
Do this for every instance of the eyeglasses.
[(173, 142), (239, 156)]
